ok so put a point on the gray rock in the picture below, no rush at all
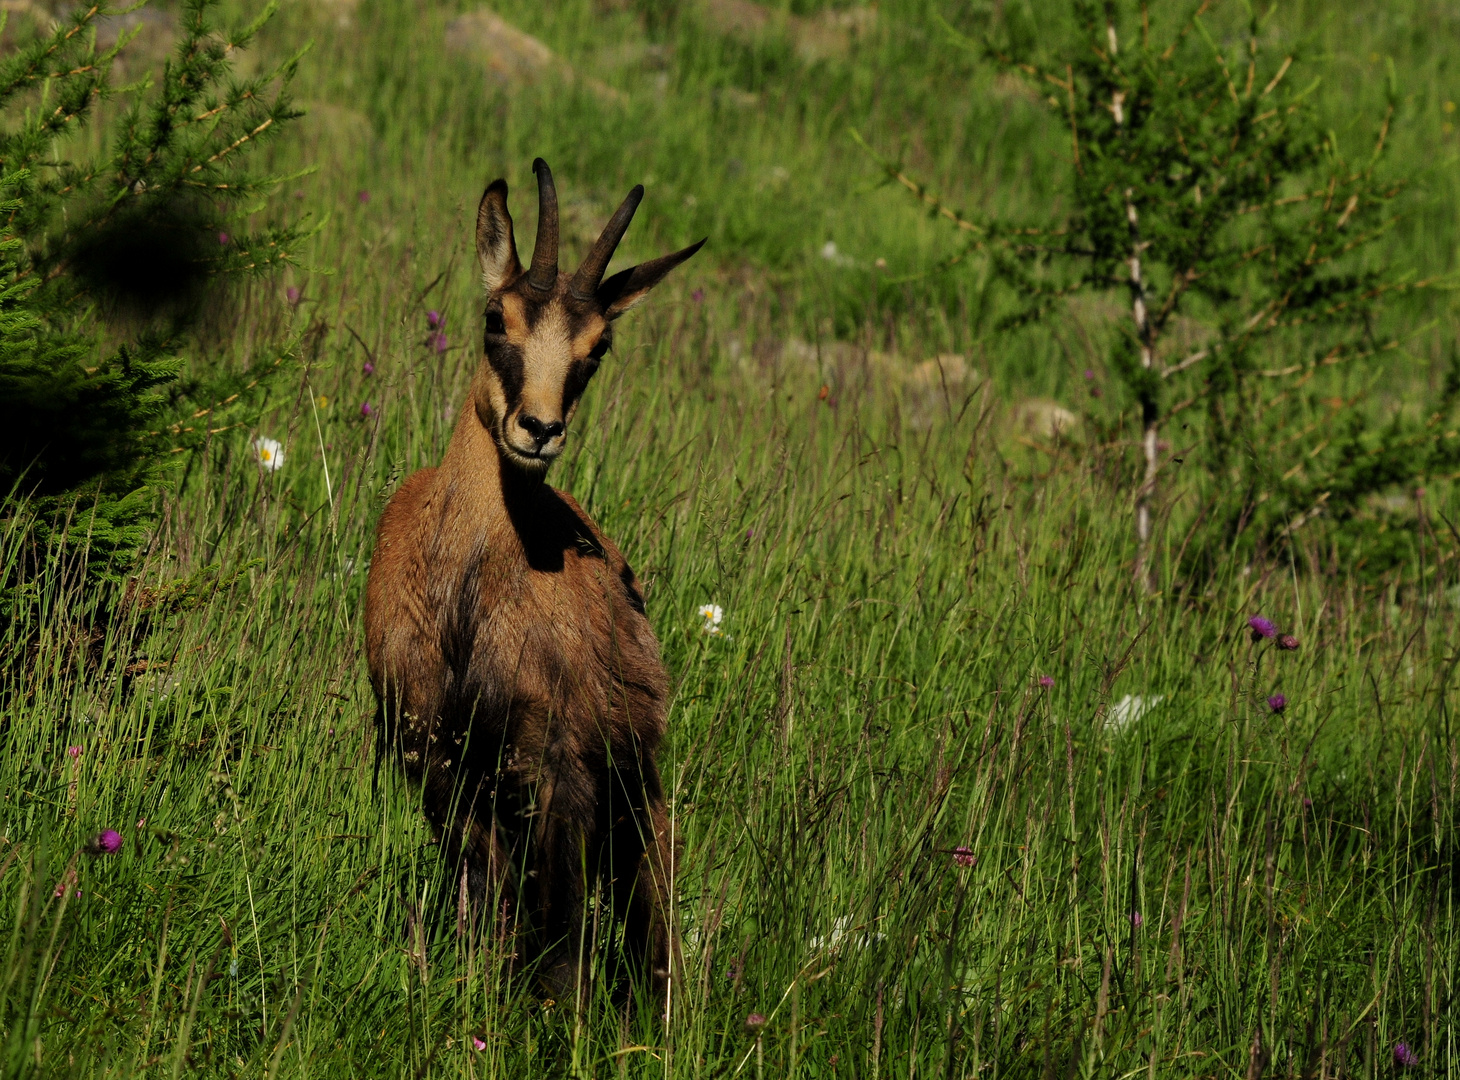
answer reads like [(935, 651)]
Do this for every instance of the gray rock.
[(513, 56)]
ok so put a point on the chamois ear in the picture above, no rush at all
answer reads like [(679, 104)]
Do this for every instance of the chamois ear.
[(496, 249), (626, 288)]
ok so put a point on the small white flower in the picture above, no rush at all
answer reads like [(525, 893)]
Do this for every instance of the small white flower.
[(842, 929), (834, 255), (270, 453), (1131, 708), (712, 614)]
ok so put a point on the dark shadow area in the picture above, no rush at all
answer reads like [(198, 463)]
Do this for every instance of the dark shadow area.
[(153, 264)]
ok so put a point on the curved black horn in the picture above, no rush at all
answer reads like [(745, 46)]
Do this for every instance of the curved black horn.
[(585, 282), (543, 273)]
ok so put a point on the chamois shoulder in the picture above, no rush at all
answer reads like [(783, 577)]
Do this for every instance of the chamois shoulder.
[(396, 584), (610, 552), (404, 507)]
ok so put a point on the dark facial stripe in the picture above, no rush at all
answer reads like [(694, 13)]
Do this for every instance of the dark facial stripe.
[(506, 361)]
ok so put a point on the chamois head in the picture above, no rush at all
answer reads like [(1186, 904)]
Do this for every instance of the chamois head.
[(547, 331)]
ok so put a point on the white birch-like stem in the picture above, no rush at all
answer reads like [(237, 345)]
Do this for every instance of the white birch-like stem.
[(1150, 418)]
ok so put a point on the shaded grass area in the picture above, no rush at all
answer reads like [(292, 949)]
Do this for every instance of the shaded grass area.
[(1162, 874)]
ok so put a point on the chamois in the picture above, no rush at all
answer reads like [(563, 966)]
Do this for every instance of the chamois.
[(515, 673)]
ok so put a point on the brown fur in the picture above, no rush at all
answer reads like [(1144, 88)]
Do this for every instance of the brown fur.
[(516, 673)]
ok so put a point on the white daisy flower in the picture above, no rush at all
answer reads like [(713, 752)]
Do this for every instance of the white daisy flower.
[(841, 929), (712, 614), (1130, 709), (270, 453)]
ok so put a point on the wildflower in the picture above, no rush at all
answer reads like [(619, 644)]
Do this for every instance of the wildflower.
[(440, 343), (964, 856), (1287, 643), (1131, 708), (1404, 1057), (1089, 373), (364, 197), (434, 320), (829, 251), (366, 411), (222, 239), (106, 842), (1307, 803), (73, 752), (750, 534), (322, 401), (369, 368), (1046, 681), (291, 294), (881, 264), (712, 614), (698, 296), (270, 453), (478, 1043), (1135, 919), (754, 1022), (1277, 703), (841, 928), (67, 884), (1261, 628)]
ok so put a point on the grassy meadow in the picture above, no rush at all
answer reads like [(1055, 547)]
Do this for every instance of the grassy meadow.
[(956, 800)]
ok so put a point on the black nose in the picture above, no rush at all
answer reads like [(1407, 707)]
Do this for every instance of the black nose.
[(540, 432)]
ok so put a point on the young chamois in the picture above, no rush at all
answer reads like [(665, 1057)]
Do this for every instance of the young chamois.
[(515, 673)]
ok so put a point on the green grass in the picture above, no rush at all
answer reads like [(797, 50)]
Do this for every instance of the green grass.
[(898, 568)]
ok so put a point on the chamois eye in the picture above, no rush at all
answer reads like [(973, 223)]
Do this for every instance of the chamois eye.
[(600, 350), (495, 326)]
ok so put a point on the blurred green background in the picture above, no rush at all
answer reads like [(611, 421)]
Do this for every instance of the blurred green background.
[(908, 518)]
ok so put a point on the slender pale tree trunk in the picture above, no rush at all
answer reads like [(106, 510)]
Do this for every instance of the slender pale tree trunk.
[(1145, 577)]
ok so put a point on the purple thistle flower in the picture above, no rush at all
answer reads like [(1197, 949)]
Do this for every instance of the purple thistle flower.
[(366, 411), (292, 295), (222, 239), (1261, 628), (1277, 703), (364, 197), (1287, 643), (437, 341), (1046, 681), (1089, 373), (1135, 919), (73, 752), (369, 368), (106, 842), (964, 856), (1404, 1057), (698, 296), (754, 1022), (434, 320)]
